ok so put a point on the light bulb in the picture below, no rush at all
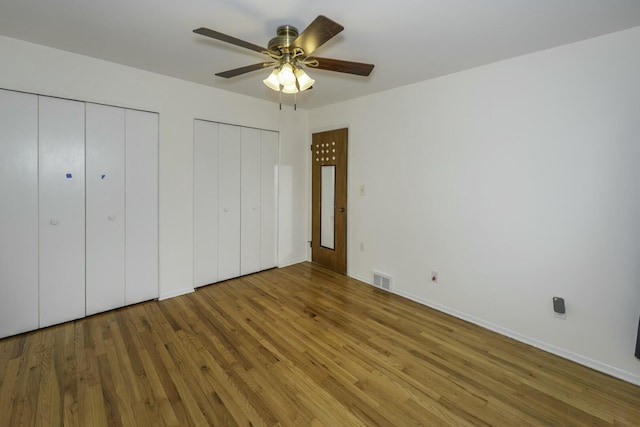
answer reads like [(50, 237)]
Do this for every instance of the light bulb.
[(272, 81), (304, 81), (290, 88), (286, 76)]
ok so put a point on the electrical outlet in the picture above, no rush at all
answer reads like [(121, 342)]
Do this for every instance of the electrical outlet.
[(559, 309), (434, 277)]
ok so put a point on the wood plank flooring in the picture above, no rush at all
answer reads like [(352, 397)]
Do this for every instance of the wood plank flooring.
[(295, 346)]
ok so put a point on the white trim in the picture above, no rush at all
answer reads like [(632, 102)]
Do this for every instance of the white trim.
[(290, 263), (176, 293), (362, 279), (574, 357)]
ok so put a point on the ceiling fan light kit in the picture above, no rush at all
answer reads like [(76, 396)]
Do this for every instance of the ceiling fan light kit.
[(289, 51), (288, 80)]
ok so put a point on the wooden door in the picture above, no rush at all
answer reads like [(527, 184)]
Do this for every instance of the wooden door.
[(329, 199), (105, 208), (18, 212), (61, 210)]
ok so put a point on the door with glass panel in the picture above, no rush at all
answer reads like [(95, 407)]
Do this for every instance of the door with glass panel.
[(329, 199)]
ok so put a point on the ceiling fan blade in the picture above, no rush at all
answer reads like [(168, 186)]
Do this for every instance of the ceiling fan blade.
[(349, 67), (242, 70), (228, 39), (317, 33)]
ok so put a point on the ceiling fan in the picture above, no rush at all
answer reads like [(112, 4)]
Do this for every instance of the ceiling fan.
[(289, 51)]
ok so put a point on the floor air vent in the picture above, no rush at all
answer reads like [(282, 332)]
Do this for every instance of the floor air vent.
[(381, 281)]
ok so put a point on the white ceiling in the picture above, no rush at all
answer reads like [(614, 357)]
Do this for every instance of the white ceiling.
[(407, 40)]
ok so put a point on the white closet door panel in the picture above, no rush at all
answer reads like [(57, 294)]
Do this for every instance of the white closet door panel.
[(104, 208), (250, 201), (18, 213), (205, 203), (228, 202), (269, 200), (61, 207), (141, 189)]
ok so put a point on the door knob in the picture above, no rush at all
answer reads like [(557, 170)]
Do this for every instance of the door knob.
[(54, 222), (111, 217), (340, 209)]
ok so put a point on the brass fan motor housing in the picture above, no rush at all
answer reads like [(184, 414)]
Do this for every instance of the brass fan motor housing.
[(287, 34)]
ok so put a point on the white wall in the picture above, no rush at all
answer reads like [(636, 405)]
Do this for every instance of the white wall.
[(38, 69), (516, 182)]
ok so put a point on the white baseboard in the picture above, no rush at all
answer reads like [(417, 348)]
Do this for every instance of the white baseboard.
[(362, 279), (176, 293), (574, 357), (288, 263)]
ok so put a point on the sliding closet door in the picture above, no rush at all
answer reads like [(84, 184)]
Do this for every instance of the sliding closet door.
[(141, 188), (105, 207), (250, 201), (269, 200), (228, 202), (205, 203), (18, 212), (61, 208)]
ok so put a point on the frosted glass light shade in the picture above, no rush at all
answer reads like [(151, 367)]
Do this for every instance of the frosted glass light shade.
[(286, 76), (272, 81), (290, 88), (304, 81)]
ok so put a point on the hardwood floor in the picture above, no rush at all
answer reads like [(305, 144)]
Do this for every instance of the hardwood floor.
[(295, 346)]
